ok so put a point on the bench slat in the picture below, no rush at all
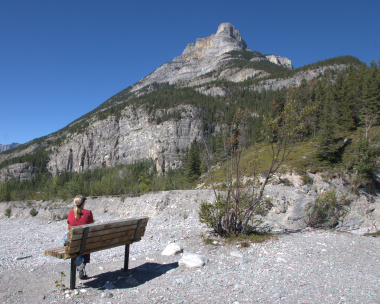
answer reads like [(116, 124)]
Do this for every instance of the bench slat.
[(101, 242), (94, 239), (58, 252), (106, 231), (67, 256), (98, 227)]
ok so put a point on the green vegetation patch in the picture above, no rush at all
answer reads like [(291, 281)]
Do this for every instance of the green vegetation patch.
[(375, 234)]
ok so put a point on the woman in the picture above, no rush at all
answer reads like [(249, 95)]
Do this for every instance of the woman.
[(80, 216)]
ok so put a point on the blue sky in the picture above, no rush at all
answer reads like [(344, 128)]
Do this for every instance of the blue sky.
[(61, 59)]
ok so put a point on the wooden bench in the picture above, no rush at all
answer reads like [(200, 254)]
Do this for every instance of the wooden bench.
[(95, 237)]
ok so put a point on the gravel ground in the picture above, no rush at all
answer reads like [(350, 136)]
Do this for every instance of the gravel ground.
[(311, 266)]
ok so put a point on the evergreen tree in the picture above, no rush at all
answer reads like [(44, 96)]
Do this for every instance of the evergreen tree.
[(370, 105), (328, 149), (364, 162), (193, 161), (351, 92)]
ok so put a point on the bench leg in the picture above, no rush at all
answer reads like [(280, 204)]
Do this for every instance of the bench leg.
[(73, 272), (126, 257)]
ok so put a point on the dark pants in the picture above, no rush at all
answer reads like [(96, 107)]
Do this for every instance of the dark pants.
[(83, 259)]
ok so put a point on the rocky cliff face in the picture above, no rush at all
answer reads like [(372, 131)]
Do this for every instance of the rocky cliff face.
[(8, 147), (226, 39), (129, 139), (22, 172), (283, 61)]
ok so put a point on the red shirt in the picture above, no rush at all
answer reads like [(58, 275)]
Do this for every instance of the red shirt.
[(85, 218)]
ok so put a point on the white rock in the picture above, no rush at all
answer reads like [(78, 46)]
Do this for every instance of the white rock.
[(281, 260), (236, 254), (172, 249), (192, 260)]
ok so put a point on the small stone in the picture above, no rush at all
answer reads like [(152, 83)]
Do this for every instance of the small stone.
[(109, 285), (172, 249), (106, 295), (180, 281), (131, 281), (281, 260), (236, 254), (243, 260)]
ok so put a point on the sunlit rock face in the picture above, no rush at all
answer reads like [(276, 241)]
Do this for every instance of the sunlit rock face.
[(205, 56), (129, 139)]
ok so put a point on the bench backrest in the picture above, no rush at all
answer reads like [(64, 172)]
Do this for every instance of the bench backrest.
[(95, 237)]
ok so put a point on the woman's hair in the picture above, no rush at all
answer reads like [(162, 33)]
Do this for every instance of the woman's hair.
[(79, 205), (78, 211)]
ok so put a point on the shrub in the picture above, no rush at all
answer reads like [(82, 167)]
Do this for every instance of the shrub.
[(307, 179), (213, 214), (326, 211), (33, 212), (8, 212)]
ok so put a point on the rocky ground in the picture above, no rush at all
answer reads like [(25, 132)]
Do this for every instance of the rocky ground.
[(298, 266)]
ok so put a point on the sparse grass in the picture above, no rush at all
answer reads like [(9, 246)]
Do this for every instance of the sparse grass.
[(246, 240), (301, 160), (208, 241), (243, 240), (59, 283), (376, 234)]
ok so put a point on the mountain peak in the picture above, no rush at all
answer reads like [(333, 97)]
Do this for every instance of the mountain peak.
[(215, 44), (207, 55), (230, 30)]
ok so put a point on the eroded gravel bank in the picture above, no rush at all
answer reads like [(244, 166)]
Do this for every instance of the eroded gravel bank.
[(312, 266)]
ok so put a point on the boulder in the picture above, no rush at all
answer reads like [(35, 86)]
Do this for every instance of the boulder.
[(192, 260), (172, 249)]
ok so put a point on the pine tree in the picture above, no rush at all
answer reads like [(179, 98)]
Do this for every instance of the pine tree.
[(327, 149), (370, 105), (351, 92), (193, 161)]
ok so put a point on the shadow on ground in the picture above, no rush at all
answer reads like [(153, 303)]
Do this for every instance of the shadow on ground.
[(128, 279)]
